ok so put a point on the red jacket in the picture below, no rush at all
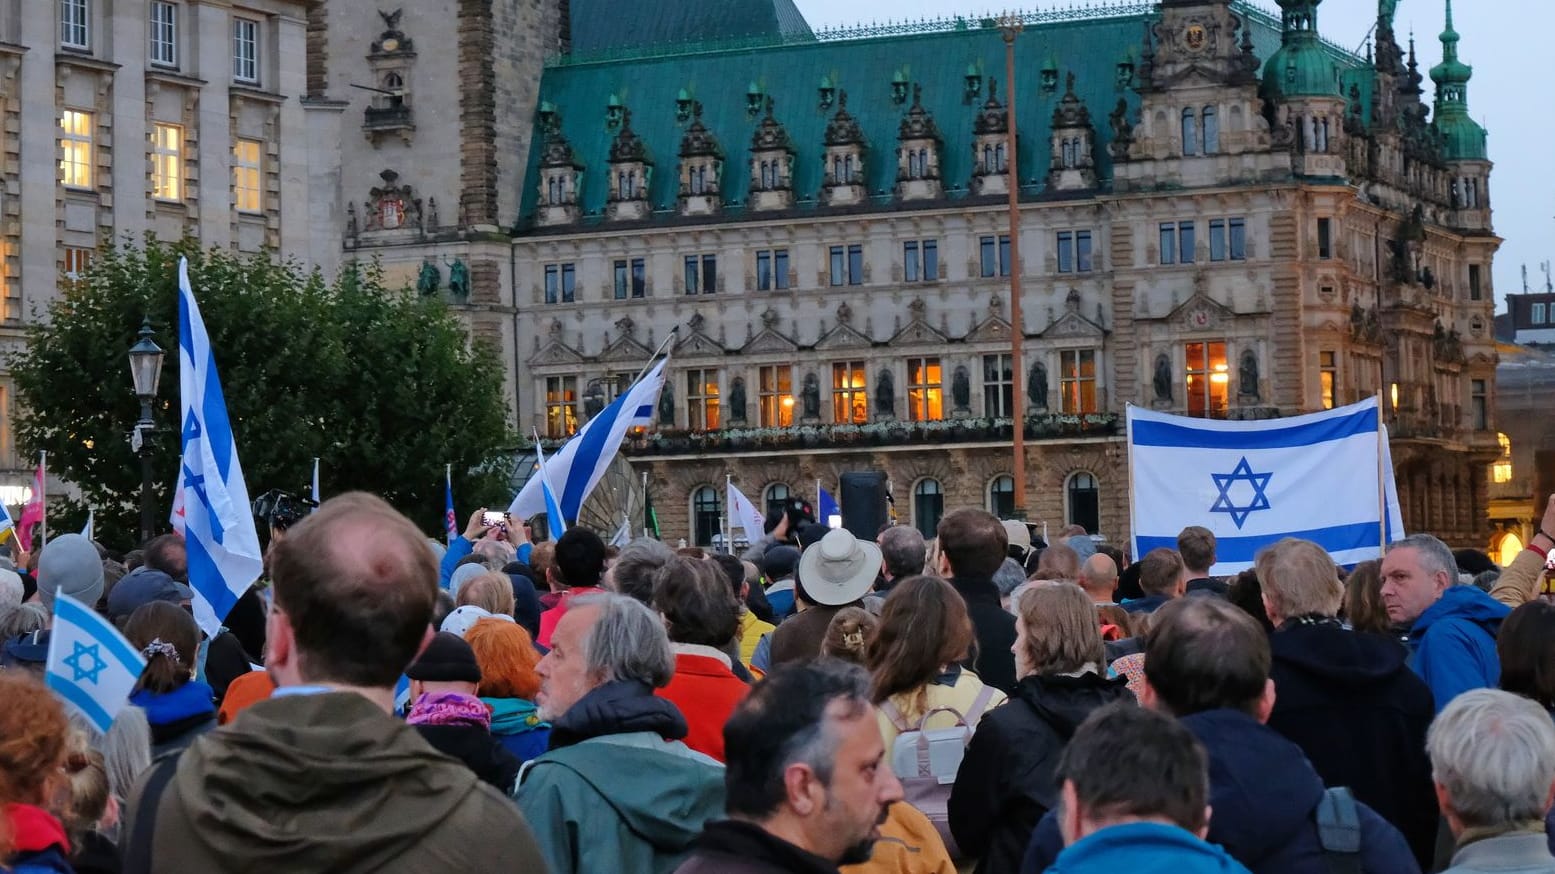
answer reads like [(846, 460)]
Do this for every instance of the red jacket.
[(550, 617), (706, 692)]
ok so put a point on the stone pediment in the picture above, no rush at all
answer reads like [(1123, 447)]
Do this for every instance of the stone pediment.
[(918, 331), (993, 328), (698, 344), (843, 337), (769, 341), (626, 349), (1200, 313), (556, 352), (1072, 324)]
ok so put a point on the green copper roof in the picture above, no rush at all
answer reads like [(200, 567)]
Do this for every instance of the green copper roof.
[(864, 62), (1302, 67), (1463, 139), (612, 25)]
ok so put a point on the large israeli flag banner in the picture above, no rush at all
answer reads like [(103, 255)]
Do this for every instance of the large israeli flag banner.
[(218, 523), (579, 465), (1324, 477), (91, 667)]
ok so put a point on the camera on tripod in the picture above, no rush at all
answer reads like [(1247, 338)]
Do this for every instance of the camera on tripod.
[(281, 510)]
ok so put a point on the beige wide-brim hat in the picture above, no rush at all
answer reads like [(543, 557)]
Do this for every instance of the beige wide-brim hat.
[(840, 569)]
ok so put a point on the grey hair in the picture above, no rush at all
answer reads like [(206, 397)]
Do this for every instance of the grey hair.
[(903, 550), (816, 745), (626, 642), (1435, 557), (1494, 752), (635, 568), (25, 619), (126, 750)]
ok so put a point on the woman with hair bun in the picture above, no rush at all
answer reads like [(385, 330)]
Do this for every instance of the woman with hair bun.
[(178, 707), (34, 738)]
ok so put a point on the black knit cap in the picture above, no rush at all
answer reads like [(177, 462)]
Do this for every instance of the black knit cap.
[(447, 659)]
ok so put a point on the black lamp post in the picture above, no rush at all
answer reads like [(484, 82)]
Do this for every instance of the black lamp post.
[(146, 371)]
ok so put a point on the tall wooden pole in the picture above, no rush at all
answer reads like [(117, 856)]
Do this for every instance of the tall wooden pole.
[(1012, 25)]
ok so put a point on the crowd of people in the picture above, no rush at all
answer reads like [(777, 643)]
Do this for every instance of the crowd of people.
[(980, 700)]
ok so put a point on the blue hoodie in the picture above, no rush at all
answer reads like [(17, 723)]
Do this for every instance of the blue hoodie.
[(517, 726), (1144, 848), (177, 717), (1453, 643)]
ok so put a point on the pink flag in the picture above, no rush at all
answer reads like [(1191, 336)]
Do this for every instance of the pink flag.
[(32, 513)]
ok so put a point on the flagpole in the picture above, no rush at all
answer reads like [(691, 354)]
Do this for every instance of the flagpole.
[(655, 356), (728, 522), (1133, 523), (1382, 487), (645, 505), (43, 487)]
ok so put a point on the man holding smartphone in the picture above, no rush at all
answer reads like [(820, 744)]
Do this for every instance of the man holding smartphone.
[(484, 525)]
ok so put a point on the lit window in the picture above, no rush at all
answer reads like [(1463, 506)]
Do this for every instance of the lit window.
[(76, 262), (164, 33), (1209, 379), (1328, 378), (1001, 496), (167, 162), (776, 394), (561, 406), (702, 399), (1077, 380), (245, 50), (1501, 471), (850, 401), (928, 506), (248, 175), (771, 269), (706, 516), (75, 149), (925, 390), (75, 20), (998, 386)]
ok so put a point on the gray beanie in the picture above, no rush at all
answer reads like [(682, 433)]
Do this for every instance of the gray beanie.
[(1009, 576), (463, 574), (70, 564), (1083, 546)]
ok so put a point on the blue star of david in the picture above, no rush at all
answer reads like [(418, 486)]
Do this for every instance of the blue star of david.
[(80, 653), (1243, 472)]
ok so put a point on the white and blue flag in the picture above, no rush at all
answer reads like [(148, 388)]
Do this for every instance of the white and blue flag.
[(555, 521), (91, 667), (1317, 477), (580, 464), (89, 530), (217, 522)]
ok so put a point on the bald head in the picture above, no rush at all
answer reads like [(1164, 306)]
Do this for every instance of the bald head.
[(1099, 577)]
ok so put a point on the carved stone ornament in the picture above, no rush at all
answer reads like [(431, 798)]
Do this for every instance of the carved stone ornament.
[(770, 135), (918, 123), (993, 119), (392, 40), (628, 147), (698, 141), (843, 130), (1070, 112)]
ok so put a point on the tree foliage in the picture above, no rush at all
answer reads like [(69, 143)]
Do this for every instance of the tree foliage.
[(383, 386)]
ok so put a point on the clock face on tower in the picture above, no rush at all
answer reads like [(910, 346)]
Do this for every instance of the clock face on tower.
[(1195, 38)]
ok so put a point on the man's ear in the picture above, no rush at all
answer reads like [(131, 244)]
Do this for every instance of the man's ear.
[(1265, 701), (1203, 831), (1068, 813), (805, 793), (1148, 698)]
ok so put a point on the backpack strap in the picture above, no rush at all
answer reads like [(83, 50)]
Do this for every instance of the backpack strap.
[(925, 767), (979, 704), (893, 713), (143, 825), (1339, 831)]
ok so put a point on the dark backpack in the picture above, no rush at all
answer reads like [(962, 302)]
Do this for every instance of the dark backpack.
[(143, 825), (1339, 830)]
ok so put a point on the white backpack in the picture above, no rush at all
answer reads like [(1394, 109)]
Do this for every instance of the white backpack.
[(927, 759)]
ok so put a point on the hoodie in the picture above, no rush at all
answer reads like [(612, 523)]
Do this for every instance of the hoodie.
[(327, 782), (40, 843), (177, 717), (1144, 848), (617, 791), (1006, 781), (1263, 794), (1326, 675), (515, 723), (1453, 643)]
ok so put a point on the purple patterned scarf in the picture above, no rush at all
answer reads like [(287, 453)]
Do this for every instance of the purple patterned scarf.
[(449, 708)]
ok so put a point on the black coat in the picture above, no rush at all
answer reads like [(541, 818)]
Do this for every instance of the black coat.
[(1360, 714), (994, 628), (732, 847), (478, 750), (1006, 779)]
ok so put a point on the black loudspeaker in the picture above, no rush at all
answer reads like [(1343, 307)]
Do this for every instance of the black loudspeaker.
[(863, 503)]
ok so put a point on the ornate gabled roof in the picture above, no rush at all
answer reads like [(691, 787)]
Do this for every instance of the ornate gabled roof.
[(1070, 112), (918, 123), (627, 146), (1462, 137), (993, 119), (1302, 67), (558, 153), (843, 130), (698, 141), (770, 135)]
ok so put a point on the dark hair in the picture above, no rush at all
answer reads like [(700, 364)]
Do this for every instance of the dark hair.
[(167, 636), (923, 626), (580, 558), (694, 597), (441, 609), (166, 553), (357, 584), (1159, 571), (1204, 654), (1196, 545), (1246, 592), (783, 721), (1126, 761), (1113, 553), (1363, 607), (732, 569), (1526, 647), (1473, 562), (973, 541)]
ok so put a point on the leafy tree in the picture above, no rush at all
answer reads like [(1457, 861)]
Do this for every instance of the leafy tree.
[(383, 386)]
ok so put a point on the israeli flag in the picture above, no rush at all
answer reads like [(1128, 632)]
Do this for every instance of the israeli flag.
[(91, 667), (555, 520), (578, 466), (223, 547), (89, 530), (7, 523), (1324, 477), (743, 513)]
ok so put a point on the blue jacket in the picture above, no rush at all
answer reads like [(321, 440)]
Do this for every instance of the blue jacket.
[(1263, 793), (1453, 643), (517, 726), (1144, 848), (458, 548)]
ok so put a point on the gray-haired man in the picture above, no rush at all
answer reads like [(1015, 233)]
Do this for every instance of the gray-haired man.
[(617, 791), (1493, 760)]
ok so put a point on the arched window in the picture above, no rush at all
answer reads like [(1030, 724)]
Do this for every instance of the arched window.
[(998, 158), (912, 164), (1081, 501), (1190, 133), (1211, 131), (777, 495), (706, 516), (923, 162), (836, 168), (847, 169), (928, 506), (1001, 496), (1067, 150)]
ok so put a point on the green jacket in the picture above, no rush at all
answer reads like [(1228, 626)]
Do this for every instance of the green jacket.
[(620, 802)]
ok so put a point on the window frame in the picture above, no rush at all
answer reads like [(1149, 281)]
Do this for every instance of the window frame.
[(77, 260), (1538, 313), (1325, 239), (561, 282), (775, 395), (78, 150), (850, 396), (167, 162), (242, 168), (1074, 488), (561, 407), (999, 392), (1476, 283), (935, 498), (1328, 378), (162, 34), (1479, 404), (75, 20), (925, 388), (772, 269), (1206, 367), (1075, 251), (847, 264), (1073, 380), (706, 510), (704, 399), (997, 502), (245, 66), (1228, 239)]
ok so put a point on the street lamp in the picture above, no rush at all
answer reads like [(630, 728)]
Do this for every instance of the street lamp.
[(146, 371)]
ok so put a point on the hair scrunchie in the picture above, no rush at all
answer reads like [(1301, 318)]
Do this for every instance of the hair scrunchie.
[(160, 647)]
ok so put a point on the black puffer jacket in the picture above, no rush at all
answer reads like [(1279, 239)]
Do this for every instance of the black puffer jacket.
[(1006, 779)]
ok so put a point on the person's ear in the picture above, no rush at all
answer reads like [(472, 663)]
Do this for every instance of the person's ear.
[(1265, 704), (801, 787), (1068, 813), (1203, 830), (1148, 698)]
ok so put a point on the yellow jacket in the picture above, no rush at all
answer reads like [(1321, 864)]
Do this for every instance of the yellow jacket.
[(960, 697), (751, 630), (908, 845)]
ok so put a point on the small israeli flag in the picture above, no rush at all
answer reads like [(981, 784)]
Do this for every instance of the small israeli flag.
[(555, 521), (89, 530), (91, 667), (1324, 477)]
